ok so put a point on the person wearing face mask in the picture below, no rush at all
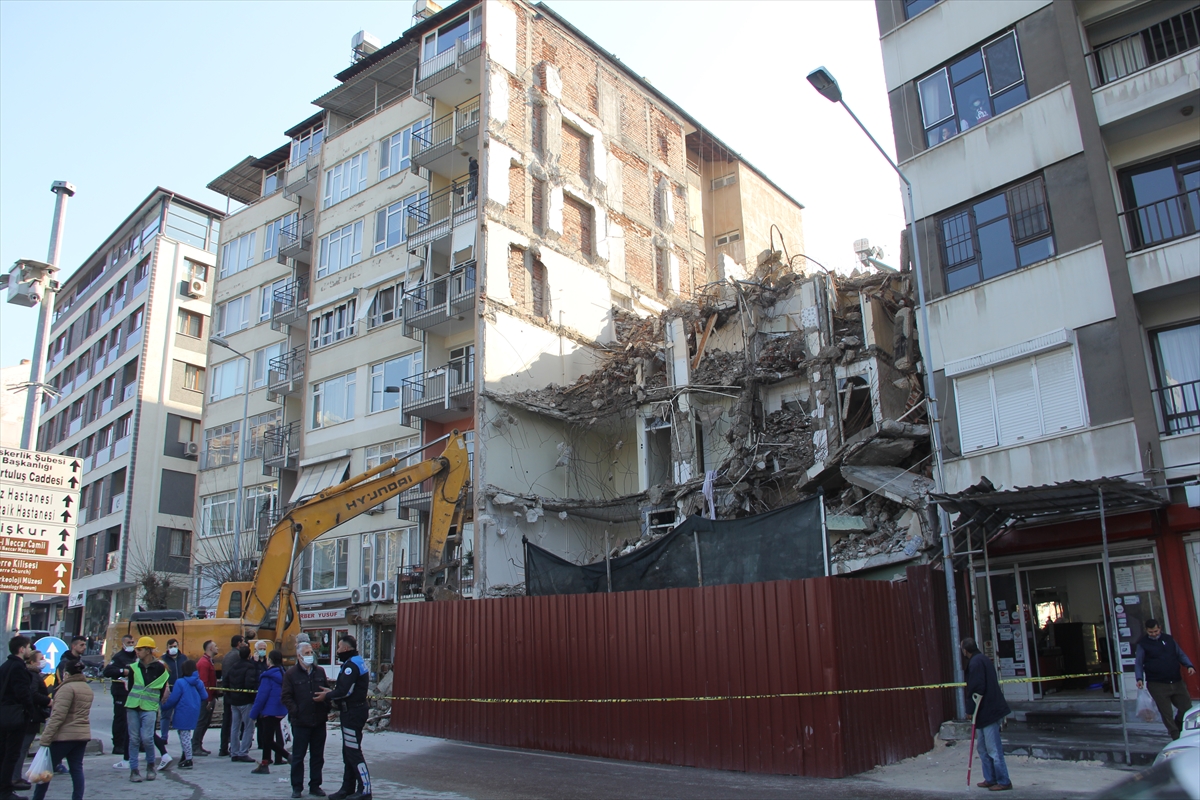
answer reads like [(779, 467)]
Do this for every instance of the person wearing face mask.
[(206, 668), (350, 697), (243, 679), (307, 716), (173, 660), (34, 663), (116, 671)]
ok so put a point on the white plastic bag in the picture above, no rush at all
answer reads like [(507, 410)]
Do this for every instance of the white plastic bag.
[(40, 770), (285, 728), (1146, 710)]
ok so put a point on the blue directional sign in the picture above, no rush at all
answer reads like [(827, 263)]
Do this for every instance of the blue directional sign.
[(52, 648)]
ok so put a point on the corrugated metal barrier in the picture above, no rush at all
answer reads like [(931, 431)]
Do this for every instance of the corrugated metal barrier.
[(652, 653)]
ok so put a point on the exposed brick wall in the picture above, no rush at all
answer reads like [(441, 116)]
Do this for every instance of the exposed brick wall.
[(518, 103), (635, 185), (576, 153), (516, 275), (576, 66), (662, 271), (577, 227), (516, 191), (522, 38), (538, 289), (668, 139), (538, 204), (639, 252), (633, 115)]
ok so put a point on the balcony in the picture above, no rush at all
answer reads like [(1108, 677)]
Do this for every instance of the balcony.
[(302, 176), (444, 305), (440, 146), (1178, 408), (102, 456), (117, 504), (289, 306), (129, 392), (441, 394), (1138, 51), (285, 374), (433, 218), (281, 447), (1162, 221), (121, 446), (295, 240), (106, 405), (444, 75)]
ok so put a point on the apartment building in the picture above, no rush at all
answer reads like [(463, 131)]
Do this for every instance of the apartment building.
[(127, 360), (463, 219), (1054, 150)]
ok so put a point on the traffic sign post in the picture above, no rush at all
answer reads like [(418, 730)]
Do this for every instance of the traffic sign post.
[(39, 510)]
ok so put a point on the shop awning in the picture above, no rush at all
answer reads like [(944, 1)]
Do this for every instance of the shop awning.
[(1028, 506), (319, 477)]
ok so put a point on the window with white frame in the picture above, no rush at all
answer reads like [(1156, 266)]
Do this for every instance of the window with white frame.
[(324, 564), (273, 178), (392, 373), (193, 377), (386, 305), (227, 379), (345, 179), (258, 425), (217, 514), (389, 222), (394, 150), (379, 453), (271, 239), (259, 503), (237, 255), (306, 142), (340, 249), (333, 401), (267, 298), (192, 271), (1019, 401), (333, 325), (234, 315), (381, 554), (262, 362), (221, 444), (972, 89)]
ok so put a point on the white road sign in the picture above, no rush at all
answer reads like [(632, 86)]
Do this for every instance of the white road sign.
[(39, 509)]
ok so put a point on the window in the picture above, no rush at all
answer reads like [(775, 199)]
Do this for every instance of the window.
[(217, 513), (538, 203), (237, 255), (577, 226), (1019, 401), (271, 240), (389, 222), (996, 235), (729, 238), (972, 89), (193, 378), (539, 293), (189, 430), (576, 153), (340, 249), (664, 213), (258, 425), (1162, 199), (234, 316), (381, 554), (136, 320), (914, 7), (307, 142), (724, 180), (262, 362), (259, 504), (386, 305), (1177, 373), (273, 178), (180, 543), (394, 150), (445, 37), (228, 379), (379, 453), (333, 325), (662, 271), (325, 565), (190, 323), (221, 445), (187, 225), (333, 401), (267, 298), (347, 178), (392, 373)]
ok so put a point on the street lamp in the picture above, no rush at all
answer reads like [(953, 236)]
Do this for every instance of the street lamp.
[(823, 81), (220, 341)]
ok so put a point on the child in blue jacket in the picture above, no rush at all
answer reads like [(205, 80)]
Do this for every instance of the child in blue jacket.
[(269, 711), (186, 698)]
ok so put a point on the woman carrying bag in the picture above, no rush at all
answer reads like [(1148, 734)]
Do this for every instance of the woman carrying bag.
[(69, 728), (34, 663)]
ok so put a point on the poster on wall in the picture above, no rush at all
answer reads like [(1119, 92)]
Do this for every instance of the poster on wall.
[(1123, 581)]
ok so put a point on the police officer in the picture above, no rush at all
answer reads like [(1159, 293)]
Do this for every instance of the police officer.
[(350, 698)]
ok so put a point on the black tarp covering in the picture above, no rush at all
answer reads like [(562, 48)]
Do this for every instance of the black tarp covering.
[(784, 544)]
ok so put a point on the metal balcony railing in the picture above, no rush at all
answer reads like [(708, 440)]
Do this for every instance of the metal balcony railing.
[(295, 240), (449, 388), (465, 48), (285, 373), (461, 123), (1137, 51), (451, 295), (1179, 406), (281, 446), (1162, 221), (433, 217), (289, 305)]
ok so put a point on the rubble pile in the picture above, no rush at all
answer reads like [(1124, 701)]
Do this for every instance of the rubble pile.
[(885, 526)]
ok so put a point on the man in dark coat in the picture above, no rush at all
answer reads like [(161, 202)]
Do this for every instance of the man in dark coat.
[(227, 661), (116, 672), (1157, 665), (350, 697), (991, 710), (16, 702), (307, 716)]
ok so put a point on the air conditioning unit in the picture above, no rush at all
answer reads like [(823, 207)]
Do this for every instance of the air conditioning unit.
[(381, 591), (197, 288), (191, 448), (358, 596)]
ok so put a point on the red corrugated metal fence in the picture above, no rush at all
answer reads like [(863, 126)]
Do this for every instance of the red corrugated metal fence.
[(756, 639)]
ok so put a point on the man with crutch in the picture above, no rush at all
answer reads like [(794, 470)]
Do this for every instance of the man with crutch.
[(990, 710)]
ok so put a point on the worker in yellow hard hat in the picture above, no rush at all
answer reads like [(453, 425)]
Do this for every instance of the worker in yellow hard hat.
[(146, 680)]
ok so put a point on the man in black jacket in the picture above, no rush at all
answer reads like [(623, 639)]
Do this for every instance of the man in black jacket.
[(16, 706), (116, 671), (301, 684), (350, 697), (1157, 665), (242, 678), (227, 661), (990, 712)]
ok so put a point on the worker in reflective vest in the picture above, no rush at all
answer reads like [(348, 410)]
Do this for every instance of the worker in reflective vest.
[(146, 679)]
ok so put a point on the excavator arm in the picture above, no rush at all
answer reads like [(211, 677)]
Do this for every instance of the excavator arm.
[(319, 514)]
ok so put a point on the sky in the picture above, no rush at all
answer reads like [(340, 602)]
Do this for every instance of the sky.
[(119, 98)]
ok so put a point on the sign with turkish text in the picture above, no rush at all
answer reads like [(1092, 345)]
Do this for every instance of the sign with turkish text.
[(325, 614), (39, 507)]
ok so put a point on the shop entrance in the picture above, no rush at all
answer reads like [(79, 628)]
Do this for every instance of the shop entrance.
[(1070, 631)]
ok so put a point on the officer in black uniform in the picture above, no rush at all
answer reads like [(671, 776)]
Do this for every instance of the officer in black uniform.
[(349, 696)]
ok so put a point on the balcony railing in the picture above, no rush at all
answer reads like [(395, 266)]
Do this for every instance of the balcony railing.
[(435, 216), (285, 373), (1179, 406), (289, 305), (440, 393), (465, 48), (129, 391), (444, 299), (281, 446), (295, 240), (460, 124), (1162, 221), (301, 179), (1137, 51)]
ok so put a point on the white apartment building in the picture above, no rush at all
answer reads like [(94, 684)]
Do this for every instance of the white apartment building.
[(1054, 149), (457, 223), (127, 357)]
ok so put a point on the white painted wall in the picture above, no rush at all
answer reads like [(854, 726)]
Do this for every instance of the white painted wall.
[(1142, 91), (1166, 264)]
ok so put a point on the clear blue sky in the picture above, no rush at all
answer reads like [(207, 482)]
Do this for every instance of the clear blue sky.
[(118, 98)]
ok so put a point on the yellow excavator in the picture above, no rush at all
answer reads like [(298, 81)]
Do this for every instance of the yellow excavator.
[(265, 607)]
